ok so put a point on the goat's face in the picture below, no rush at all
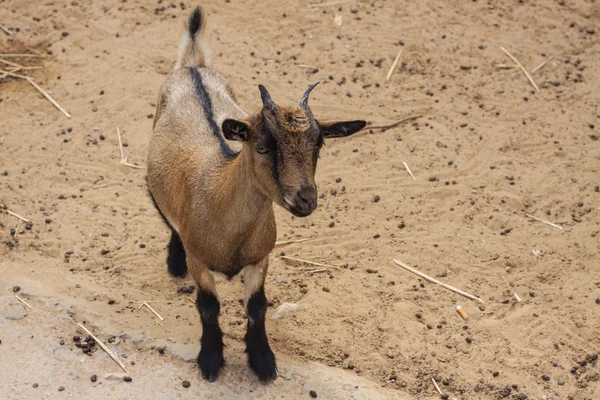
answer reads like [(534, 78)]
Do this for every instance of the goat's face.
[(283, 145)]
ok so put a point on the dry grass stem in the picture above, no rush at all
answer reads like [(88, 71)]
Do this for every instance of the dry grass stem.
[(106, 349), (332, 3), (17, 215), (437, 387), (544, 221), (409, 171), (395, 124), (13, 74), (393, 67), (541, 65), (506, 66), (309, 262), (433, 280), (50, 99), (284, 242), (5, 30), (24, 55), (316, 271), (145, 303), (124, 159), (306, 66), (12, 64), (522, 68), (22, 301)]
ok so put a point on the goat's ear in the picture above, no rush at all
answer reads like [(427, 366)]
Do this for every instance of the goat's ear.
[(236, 130), (333, 129)]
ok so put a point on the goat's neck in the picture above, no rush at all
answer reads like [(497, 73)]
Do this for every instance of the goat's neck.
[(242, 203)]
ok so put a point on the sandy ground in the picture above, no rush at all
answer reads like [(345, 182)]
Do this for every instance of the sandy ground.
[(487, 150)]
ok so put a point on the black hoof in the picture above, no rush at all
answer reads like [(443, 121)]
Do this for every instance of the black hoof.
[(263, 364), (210, 364)]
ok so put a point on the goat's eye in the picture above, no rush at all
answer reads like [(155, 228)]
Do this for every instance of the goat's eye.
[(260, 149)]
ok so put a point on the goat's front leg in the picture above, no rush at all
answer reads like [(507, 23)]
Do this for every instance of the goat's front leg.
[(210, 358), (260, 356)]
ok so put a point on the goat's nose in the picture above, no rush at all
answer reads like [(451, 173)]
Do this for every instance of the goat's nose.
[(308, 195)]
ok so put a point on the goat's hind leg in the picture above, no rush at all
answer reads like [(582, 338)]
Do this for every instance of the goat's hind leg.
[(260, 356), (210, 358)]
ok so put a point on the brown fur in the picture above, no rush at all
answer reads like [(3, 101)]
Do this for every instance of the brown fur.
[(221, 204)]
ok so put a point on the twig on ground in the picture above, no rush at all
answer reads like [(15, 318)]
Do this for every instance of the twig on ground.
[(306, 66), (393, 67), (46, 95), (542, 64), (309, 262), (106, 349), (333, 3), (433, 280), (22, 301), (284, 242), (5, 30), (437, 387), (408, 170), (145, 303), (124, 159), (12, 64), (395, 124), (24, 55), (506, 66), (16, 215), (545, 222), (13, 74), (522, 68), (316, 271)]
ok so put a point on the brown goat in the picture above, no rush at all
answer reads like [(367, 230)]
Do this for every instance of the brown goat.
[(218, 199)]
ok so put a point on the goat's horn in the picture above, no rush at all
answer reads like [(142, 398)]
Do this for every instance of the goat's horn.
[(304, 99), (266, 97)]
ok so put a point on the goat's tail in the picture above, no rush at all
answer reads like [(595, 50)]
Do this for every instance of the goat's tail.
[(193, 51)]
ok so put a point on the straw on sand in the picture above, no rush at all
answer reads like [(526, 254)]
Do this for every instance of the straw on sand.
[(408, 170), (145, 303), (395, 124), (124, 159), (106, 349), (393, 67), (433, 280), (24, 55), (22, 301), (522, 68), (284, 242), (541, 65), (46, 95), (5, 30), (333, 3), (437, 387), (309, 262), (545, 222)]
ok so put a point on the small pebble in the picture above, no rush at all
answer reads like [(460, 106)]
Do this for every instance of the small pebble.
[(468, 339), (93, 378), (61, 388), (35, 385), (313, 394), (495, 373), (546, 378), (376, 199), (186, 384), (127, 379), (16, 289)]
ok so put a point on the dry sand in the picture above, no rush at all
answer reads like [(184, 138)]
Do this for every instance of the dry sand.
[(487, 150)]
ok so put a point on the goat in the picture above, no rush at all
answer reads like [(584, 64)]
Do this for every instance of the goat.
[(214, 172)]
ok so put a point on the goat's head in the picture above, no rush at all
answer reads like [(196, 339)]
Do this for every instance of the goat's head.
[(284, 145)]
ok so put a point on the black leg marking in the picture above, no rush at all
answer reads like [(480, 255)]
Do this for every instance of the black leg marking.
[(176, 258), (210, 358), (260, 356)]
